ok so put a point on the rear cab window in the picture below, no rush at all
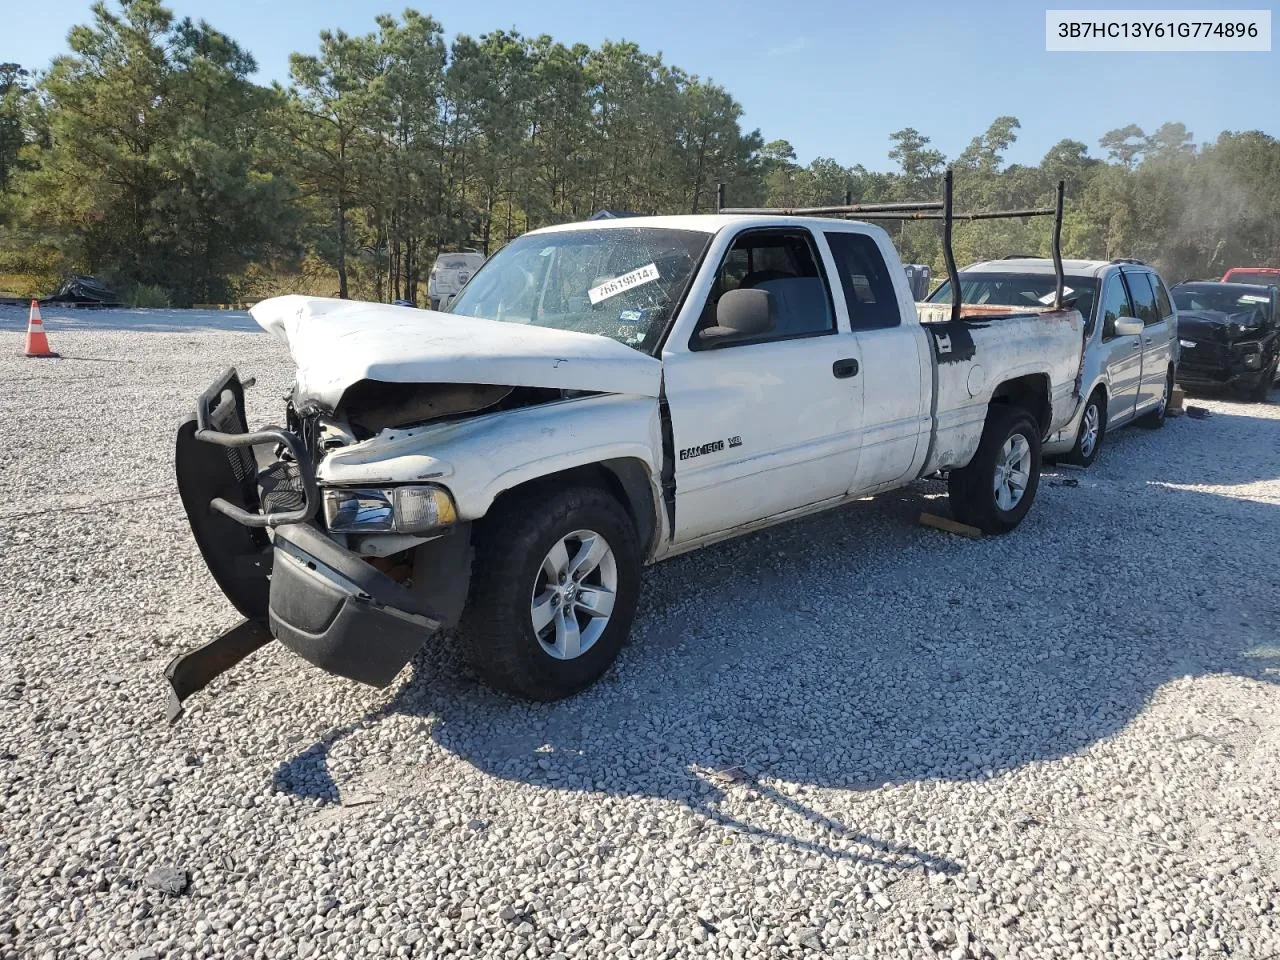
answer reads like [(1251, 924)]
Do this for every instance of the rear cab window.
[(869, 295)]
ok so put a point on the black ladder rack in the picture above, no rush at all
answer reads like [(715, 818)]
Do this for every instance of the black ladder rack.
[(943, 210)]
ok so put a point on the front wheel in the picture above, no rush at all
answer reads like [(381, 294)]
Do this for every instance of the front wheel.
[(553, 592), (1260, 391), (996, 489)]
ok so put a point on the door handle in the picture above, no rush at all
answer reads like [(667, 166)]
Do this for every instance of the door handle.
[(842, 369), (1147, 339)]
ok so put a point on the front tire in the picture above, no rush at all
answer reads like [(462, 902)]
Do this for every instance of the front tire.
[(1093, 429), (996, 489), (553, 593), (1260, 392)]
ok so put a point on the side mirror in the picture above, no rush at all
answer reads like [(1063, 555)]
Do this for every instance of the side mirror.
[(740, 314), (1128, 327)]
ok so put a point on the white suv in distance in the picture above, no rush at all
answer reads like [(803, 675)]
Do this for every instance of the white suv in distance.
[(1131, 338)]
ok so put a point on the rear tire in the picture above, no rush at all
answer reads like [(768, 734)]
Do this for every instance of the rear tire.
[(1093, 429), (1157, 417), (976, 491), (514, 546)]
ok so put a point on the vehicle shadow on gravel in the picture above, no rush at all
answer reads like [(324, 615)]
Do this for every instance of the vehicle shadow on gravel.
[(856, 650)]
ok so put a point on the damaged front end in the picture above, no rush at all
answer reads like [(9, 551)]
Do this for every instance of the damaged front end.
[(1219, 349), (255, 510)]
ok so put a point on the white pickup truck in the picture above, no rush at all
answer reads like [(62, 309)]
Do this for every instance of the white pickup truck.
[(600, 396)]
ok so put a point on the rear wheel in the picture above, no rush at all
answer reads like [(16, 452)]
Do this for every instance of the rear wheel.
[(553, 593), (1093, 428), (1156, 418), (995, 491)]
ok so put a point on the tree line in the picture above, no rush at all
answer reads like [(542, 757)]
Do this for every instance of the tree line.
[(147, 155)]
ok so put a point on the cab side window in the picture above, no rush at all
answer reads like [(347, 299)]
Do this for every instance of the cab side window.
[(1144, 298), (784, 263), (1113, 305), (868, 288)]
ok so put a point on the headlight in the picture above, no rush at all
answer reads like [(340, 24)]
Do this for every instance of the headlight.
[(392, 510)]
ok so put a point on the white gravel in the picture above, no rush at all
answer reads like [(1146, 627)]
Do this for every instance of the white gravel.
[(848, 737)]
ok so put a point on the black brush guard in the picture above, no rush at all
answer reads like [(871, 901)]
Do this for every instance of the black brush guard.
[(297, 585)]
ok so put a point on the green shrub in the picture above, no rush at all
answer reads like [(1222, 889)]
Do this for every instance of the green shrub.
[(146, 295)]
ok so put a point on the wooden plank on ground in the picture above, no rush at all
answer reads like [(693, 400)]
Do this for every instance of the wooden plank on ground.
[(948, 525)]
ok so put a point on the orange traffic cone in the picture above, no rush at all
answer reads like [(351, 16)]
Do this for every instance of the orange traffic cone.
[(37, 342)]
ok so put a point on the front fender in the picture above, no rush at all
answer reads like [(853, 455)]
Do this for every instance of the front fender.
[(478, 458)]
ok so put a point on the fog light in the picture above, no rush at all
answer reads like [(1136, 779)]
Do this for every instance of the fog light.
[(1253, 361), (414, 509)]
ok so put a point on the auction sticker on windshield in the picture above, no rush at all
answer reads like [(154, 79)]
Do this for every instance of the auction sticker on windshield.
[(628, 281), (1048, 298)]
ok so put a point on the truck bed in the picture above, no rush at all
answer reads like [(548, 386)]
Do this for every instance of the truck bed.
[(989, 347)]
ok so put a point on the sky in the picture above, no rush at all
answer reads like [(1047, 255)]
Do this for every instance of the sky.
[(834, 77)]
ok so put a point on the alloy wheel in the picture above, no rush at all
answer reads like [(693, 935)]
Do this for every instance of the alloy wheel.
[(1089, 430), (573, 594), (1013, 472)]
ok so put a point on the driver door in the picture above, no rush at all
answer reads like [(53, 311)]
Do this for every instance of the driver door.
[(767, 424)]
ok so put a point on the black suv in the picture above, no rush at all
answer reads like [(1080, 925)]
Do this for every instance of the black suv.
[(1229, 334)]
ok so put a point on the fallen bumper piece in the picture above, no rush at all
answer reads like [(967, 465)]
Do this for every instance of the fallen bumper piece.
[(191, 672)]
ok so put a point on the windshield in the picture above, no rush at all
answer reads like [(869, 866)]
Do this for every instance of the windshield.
[(621, 283), (1028, 290), (1223, 298)]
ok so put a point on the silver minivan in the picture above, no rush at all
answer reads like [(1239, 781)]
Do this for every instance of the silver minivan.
[(1131, 338)]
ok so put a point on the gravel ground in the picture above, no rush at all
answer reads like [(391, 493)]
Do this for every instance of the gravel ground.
[(850, 736)]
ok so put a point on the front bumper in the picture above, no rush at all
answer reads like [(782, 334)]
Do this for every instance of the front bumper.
[(1208, 363), (319, 599), (336, 611), (1213, 378)]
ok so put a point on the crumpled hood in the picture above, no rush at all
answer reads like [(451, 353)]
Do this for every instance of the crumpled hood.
[(336, 343), (1210, 325)]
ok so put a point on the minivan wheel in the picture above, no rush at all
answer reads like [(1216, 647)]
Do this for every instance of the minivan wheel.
[(1093, 428), (995, 491), (1156, 418), (553, 592)]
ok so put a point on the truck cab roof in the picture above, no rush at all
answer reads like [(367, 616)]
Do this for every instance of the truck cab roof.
[(711, 223)]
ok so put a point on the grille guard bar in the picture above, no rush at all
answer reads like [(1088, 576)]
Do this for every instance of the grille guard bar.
[(206, 407)]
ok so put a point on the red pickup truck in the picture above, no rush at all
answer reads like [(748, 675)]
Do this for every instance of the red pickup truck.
[(1268, 276)]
